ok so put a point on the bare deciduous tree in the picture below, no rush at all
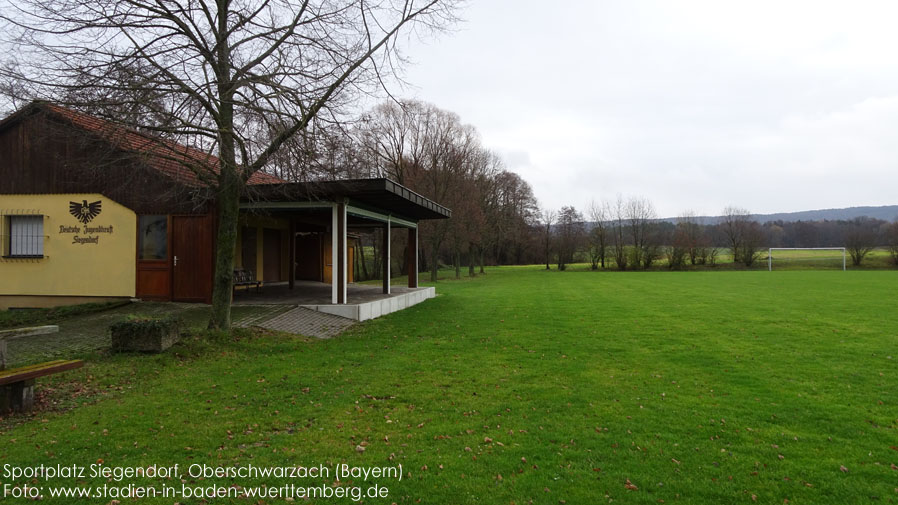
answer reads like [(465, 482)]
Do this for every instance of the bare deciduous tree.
[(237, 79), (733, 224), (860, 239), (693, 238), (598, 235), (640, 216), (569, 235), (678, 247), (891, 235), (752, 240), (514, 211), (547, 219), (619, 233), (432, 152)]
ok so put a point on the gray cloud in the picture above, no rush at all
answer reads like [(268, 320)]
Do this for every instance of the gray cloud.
[(774, 106)]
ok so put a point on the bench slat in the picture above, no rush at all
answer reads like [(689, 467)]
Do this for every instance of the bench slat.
[(31, 368), (39, 370), (4, 373)]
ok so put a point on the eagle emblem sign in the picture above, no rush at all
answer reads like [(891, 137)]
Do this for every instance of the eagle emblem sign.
[(85, 212)]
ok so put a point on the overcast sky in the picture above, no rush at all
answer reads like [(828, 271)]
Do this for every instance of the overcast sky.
[(773, 106)]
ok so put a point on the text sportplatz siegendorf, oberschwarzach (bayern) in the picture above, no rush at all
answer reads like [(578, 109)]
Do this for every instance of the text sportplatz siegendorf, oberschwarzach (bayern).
[(198, 480)]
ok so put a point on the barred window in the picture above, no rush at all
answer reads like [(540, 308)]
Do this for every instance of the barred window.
[(26, 236)]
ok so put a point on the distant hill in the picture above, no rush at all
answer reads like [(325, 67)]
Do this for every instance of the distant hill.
[(885, 212)]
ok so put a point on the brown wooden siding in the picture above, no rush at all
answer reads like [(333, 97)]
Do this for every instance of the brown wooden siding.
[(43, 155)]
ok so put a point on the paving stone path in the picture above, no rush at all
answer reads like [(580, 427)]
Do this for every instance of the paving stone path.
[(83, 334), (309, 322), (257, 314)]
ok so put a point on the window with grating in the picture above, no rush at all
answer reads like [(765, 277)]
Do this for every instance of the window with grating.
[(25, 236)]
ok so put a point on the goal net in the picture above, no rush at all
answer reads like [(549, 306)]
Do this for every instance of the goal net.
[(806, 258)]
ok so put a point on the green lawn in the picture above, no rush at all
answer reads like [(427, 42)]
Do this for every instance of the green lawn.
[(524, 386)]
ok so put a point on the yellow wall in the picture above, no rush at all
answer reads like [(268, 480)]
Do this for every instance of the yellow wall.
[(104, 267)]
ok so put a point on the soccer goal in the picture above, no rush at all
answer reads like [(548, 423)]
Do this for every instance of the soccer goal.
[(806, 258)]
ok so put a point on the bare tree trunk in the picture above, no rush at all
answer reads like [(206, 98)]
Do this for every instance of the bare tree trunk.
[(377, 251), (228, 202), (229, 188), (423, 266), (361, 256), (471, 260), (434, 261)]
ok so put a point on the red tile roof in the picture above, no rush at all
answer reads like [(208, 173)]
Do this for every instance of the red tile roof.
[(181, 163)]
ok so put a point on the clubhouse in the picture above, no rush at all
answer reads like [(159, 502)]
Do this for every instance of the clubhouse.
[(91, 211)]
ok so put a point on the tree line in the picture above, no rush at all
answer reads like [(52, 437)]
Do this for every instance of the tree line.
[(497, 220), (626, 234), (432, 152)]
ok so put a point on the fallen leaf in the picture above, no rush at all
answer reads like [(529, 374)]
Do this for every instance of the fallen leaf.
[(629, 485)]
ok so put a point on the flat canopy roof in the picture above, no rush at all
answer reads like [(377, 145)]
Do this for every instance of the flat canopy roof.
[(379, 194)]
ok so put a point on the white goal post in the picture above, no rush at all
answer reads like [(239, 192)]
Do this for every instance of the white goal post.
[(770, 253)]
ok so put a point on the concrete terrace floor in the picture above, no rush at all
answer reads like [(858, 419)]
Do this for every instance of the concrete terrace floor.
[(313, 293)]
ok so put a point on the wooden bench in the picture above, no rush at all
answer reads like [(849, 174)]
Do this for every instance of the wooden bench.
[(246, 278), (17, 384)]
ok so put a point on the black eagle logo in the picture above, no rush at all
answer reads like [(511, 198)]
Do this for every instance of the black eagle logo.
[(85, 212)]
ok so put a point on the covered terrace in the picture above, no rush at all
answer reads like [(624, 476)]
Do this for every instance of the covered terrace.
[(318, 221)]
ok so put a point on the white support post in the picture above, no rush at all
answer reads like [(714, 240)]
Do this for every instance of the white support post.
[(770, 260), (334, 254), (387, 252), (345, 277)]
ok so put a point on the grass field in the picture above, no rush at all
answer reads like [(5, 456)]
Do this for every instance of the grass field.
[(525, 386)]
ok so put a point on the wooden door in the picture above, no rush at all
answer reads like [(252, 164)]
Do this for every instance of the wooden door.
[(271, 255), (192, 259), (153, 259), (308, 257)]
